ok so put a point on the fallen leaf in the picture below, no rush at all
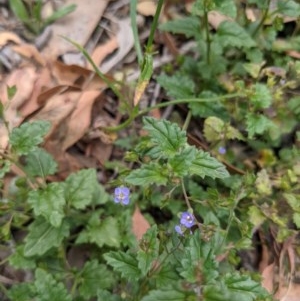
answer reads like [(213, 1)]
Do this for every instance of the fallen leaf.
[(125, 41), (268, 277), (77, 26), (30, 52), (146, 8), (7, 36), (80, 118), (139, 224)]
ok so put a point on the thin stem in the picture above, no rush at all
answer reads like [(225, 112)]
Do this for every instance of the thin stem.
[(168, 103), (187, 120), (263, 19), (137, 44), (154, 24), (208, 41)]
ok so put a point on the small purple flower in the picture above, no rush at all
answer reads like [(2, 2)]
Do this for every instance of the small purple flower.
[(222, 150), (187, 219), (178, 229), (122, 195)]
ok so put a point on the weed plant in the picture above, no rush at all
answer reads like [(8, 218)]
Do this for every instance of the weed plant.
[(242, 88)]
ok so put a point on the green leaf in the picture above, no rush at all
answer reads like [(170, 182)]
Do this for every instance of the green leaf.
[(261, 97), (294, 105), (147, 175), (124, 263), (94, 276), (288, 7), (80, 188), (226, 7), (19, 261), (243, 288), (100, 232), (215, 129), (11, 91), (148, 250), (61, 12), (107, 296), (167, 137), (49, 202), (189, 26), (198, 260), (296, 219), (21, 292), (25, 138), (257, 124), (178, 85), (231, 34), (263, 183), (165, 295), (42, 237), (39, 163), (206, 166), (180, 163), (19, 10), (48, 289)]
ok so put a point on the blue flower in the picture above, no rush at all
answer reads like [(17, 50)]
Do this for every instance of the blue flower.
[(222, 150), (187, 219), (178, 229), (122, 195)]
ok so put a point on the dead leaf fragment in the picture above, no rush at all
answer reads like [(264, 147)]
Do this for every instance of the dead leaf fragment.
[(139, 224), (7, 36)]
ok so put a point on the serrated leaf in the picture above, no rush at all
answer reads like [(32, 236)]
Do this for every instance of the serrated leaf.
[(215, 129), (189, 26), (25, 138), (261, 97), (166, 276), (288, 7), (198, 259), (42, 237), (48, 289), (263, 183), (206, 166), (256, 217), (19, 261), (94, 276), (80, 188), (178, 85), (231, 34), (296, 219), (165, 295), (39, 163), (107, 296), (226, 7), (100, 232), (49, 202), (180, 163), (257, 124), (292, 200), (147, 175), (167, 137), (21, 292), (148, 250), (124, 263)]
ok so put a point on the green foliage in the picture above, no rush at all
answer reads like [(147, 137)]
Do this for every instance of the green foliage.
[(233, 167), (30, 14), (28, 136)]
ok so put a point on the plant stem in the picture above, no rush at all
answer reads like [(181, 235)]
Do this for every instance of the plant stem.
[(208, 41), (168, 103), (263, 19), (187, 120), (137, 44), (154, 25)]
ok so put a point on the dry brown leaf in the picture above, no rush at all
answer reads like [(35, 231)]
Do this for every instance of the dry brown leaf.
[(80, 119), (30, 52), (125, 42), (7, 36), (139, 224), (268, 277), (102, 51), (23, 79), (99, 150), (32, 104), (215, 18), (146, 8), (77, 26)]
